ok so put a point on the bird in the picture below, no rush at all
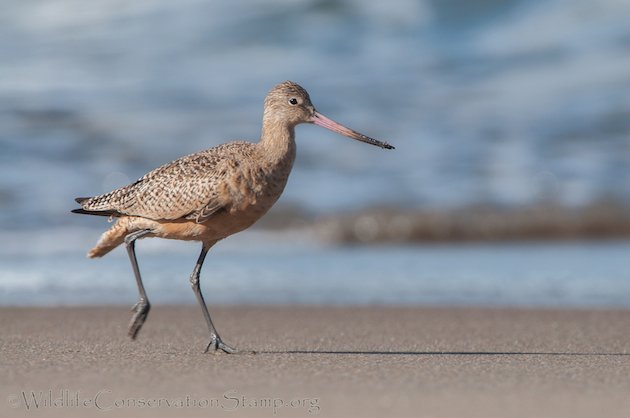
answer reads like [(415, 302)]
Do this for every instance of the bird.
[(209, 195)]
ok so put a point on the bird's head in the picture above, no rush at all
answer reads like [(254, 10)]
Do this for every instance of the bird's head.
[(288, 103)]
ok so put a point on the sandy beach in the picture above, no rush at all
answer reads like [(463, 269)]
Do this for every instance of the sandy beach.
[(317, 361)]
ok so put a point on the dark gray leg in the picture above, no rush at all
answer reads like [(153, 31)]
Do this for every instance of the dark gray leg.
[(141, 308), (215, 341)]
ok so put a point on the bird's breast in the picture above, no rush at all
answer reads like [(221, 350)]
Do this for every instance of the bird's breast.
[(255, 188)]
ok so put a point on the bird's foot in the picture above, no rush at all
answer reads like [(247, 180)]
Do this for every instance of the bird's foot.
[(141, 309), (216, 345)]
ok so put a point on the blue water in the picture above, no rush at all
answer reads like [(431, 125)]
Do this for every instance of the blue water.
[(508, 102), (287, 268)]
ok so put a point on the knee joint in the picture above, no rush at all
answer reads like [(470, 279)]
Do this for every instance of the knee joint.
[(194, 281)]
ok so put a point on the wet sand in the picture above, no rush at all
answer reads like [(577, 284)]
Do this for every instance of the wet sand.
[(316, 361)]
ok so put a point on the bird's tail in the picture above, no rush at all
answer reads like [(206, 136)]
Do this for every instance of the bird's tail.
[(112, 238), (84, 201)]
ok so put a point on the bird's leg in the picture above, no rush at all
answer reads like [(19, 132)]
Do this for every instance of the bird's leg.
[(141, 308), (215, 343)]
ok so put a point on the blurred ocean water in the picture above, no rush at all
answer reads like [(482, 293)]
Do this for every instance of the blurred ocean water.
[(260, 267), (505, 103)]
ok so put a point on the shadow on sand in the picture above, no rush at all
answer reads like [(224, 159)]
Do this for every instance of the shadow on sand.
[(438, 353)]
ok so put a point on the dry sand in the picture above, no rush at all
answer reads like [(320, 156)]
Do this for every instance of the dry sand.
[(317, 361)]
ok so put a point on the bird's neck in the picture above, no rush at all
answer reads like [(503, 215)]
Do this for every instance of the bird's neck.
[(277, 141)]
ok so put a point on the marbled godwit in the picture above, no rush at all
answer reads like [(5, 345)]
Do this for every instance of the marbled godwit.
[(210, 195)]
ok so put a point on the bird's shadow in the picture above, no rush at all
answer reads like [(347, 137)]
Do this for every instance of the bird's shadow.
[(437, 353)]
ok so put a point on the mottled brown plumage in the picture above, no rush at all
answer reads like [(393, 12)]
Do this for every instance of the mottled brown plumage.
[(212, 194)]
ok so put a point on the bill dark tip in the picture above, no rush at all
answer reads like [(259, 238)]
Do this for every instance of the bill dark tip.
[(385, 145), (376, 142)]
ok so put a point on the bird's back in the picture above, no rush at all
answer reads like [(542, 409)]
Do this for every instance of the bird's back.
[(191, 187)]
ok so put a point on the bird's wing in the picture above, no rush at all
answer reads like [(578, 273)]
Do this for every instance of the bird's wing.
[(189, 187)]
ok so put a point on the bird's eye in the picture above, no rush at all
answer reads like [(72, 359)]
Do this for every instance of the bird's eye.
[(293, 101)]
